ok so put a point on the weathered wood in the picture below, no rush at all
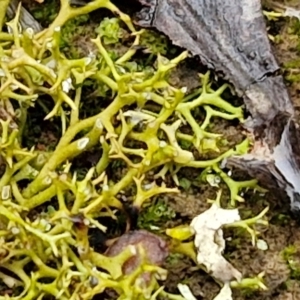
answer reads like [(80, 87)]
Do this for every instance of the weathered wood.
[(230, 37), (26, 19)]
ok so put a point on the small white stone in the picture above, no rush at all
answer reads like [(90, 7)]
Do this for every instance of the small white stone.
[(262, 245), (86, 222), (184, 89)]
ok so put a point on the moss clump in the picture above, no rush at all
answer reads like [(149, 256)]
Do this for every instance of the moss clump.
[(154, 42), (110, 31), (291, 255), (45, 13), (157, 213)]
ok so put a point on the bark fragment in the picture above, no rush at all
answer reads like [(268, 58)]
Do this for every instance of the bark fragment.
[(230, 37)]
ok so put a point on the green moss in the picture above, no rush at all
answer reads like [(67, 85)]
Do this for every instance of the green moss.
[(174, 258), (296, 26), (292, 64), (292, 256), (295, 29), (47, 12), (75, 37), (293, 77), (185, 183), (281, 219), (186, 145), (155, 42), (110, 31), (157, 214)]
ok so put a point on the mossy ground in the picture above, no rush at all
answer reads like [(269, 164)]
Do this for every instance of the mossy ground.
[(281, 261)]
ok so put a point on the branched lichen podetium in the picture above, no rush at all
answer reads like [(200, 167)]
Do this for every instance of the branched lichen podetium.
[(56, 240)]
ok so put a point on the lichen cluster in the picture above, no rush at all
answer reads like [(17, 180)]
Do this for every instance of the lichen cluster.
[(46, 209)]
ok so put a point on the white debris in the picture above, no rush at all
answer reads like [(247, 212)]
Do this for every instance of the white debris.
[(184, 89), (10, 281), (210, 243), (185, 292), (225, 293), (67, 85), (292, 12)]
